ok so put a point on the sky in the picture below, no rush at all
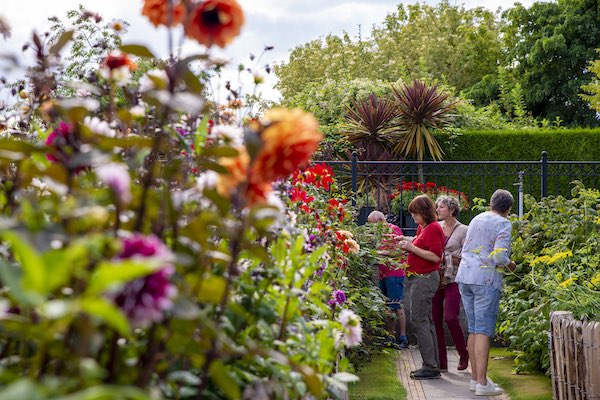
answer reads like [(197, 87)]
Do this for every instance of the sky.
[(283, 24)]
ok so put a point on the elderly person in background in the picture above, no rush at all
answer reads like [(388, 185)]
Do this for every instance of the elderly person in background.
[(391, 282), (425, 253), (446, 301), (487, 247)]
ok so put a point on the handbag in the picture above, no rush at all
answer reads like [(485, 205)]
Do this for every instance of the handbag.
[(442, 270)]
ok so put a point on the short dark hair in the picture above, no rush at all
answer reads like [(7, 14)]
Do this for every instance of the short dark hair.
[(424, 206), (501, 201)]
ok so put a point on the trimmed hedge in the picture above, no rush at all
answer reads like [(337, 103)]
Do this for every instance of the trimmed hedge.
[(525, 145)]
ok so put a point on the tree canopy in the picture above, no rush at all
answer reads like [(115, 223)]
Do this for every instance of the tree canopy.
[(530, 62)]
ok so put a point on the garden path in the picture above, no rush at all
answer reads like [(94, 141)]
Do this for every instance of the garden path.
[(454, 384)]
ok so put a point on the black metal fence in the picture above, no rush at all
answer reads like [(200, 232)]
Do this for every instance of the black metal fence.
[(372, 182)]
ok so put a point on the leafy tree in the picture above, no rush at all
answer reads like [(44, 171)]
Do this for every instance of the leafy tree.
[(592, 89), (549, 45)]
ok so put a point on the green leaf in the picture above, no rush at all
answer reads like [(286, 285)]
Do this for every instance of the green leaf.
[(110, 273), (34, 272), (223, 379), (137, 50), (107, 392), (200, 135), (65, 38), (346, 377), (221, 151), (11, 275), (212, 289), (192, 82), (21, 389), (107, 312)]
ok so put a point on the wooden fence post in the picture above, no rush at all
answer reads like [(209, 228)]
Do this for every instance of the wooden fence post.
[(557, 354)]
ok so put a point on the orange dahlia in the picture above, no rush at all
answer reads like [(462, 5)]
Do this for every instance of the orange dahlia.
[(157, 12), (215, 22), (237, 172), (289, 139)]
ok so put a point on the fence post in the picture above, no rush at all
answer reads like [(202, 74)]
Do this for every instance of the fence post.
[(544, 162), (354, 177)]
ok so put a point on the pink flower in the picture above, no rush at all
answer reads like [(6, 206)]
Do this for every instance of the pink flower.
[(352, 331), (116, 177), (62, 141), (144, 300)]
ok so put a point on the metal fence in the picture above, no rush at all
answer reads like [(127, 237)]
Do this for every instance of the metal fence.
[(372, 182)]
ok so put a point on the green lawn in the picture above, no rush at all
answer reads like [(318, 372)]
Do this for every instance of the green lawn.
[(378, 380), (518, 387)]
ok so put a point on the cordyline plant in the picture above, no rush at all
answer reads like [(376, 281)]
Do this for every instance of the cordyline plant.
[(143, 251), (422, 109), (371, 127)]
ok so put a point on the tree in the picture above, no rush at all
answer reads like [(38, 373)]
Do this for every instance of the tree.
[(592, 89), (549, 45)]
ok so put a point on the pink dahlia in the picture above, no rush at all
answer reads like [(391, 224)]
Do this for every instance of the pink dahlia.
[(145, 299)]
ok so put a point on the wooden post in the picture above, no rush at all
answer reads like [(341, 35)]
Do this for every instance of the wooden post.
[(594, 361), (557, 357)]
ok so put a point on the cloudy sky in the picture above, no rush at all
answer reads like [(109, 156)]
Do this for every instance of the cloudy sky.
[(281, 23)]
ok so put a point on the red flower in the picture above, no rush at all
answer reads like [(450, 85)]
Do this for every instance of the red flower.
[(215, 22), (118, 61), (157, 11), (300, 195)]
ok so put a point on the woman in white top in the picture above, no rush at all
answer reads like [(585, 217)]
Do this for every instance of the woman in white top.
[(446, 301)]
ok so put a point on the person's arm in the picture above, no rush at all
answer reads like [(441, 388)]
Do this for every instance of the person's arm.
[(501, 253), (424, 254), (432, 241)]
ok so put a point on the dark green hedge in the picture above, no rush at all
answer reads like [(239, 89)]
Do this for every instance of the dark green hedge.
[(561, 145)]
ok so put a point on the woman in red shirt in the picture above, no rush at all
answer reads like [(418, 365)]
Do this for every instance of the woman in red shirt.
[(424, 257)]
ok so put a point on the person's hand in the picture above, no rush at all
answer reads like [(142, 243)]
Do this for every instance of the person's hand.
[(406, 245), (511, 266)]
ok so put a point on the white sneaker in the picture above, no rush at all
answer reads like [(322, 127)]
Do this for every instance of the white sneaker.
[(472, 384), (490, 389)]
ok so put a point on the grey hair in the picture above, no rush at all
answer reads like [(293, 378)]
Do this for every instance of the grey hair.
[(376, 216), (450, 202), (501, 201)]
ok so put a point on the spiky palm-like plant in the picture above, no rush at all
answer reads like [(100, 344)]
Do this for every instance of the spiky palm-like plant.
[(421, 109), (370, 125)]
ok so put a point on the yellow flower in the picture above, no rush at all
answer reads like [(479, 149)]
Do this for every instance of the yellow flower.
[(567, 282), (539, 260), (595, 281), (559, 256), (597, 220)]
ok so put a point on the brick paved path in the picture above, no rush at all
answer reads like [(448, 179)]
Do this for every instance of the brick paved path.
[(454, 384)]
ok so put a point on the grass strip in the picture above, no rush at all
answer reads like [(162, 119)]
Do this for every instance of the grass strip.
[(518, 387), (378, 380)]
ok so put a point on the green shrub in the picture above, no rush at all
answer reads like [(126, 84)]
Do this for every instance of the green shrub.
[(557, 248), (561, 144)]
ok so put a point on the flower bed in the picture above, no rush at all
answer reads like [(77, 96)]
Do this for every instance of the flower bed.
[(406, 191)]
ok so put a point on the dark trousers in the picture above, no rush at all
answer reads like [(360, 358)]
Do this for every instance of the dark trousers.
[(446, 308), (422, 289)]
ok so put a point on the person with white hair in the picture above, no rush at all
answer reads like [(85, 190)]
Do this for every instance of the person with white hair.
[(391, 283), (446, 301), (486, 248)]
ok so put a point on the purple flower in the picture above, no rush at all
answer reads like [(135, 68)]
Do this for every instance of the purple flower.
[(339, 297), (116, 177), (182, 132), (144, 300)]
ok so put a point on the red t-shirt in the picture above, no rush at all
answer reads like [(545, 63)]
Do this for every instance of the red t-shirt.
[(430, 238), (386, 271)]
